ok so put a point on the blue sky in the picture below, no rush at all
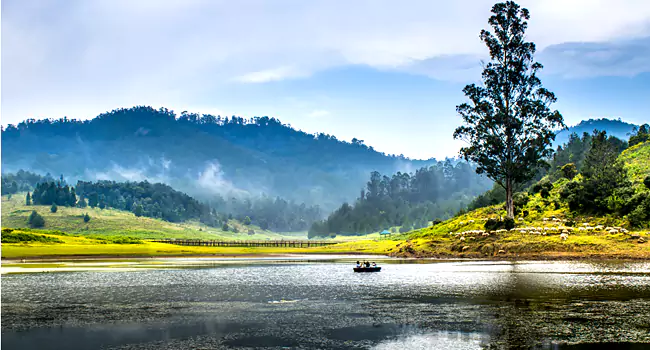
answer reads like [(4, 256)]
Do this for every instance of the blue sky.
[(386, 72)]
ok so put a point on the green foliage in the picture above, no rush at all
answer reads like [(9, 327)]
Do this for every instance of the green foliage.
[(520, 199), (48, 193), (602, 175), (543, 187), (569, 171), (53, 208), (28, 199), (405, 200), (86, 218), (225, 227), (646, 181), (251, 231), (35, 220), (494, 224), (640, 135), (508, 123), (138, 210), (21, 181), (18, 237), (494, 196), (247, 221)]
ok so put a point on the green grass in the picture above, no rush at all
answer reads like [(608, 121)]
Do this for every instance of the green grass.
[(637, 161), (111, 222), (99, 246)]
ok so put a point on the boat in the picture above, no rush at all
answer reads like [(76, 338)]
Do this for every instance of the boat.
[(367, 269)]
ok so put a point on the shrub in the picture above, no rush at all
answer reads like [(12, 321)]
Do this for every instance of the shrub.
[(225, 227), (86, 217), (646, 181), (493, 224), (520, 199), (54, 208), (247, 221), (569, 171), (543, 187), (251, 232), (36, 220), (17, 237), (393, 229)]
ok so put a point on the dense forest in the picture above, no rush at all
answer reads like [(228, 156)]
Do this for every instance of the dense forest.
[(201, 155), (409, 200)]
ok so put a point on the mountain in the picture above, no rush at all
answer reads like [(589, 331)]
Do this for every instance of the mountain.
[(613, 127), (202, 155)]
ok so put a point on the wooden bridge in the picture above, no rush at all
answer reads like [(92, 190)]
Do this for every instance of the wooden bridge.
[(241, 243)]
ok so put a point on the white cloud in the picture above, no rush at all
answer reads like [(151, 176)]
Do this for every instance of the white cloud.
[(78, 58), (318, 113), (268, 75)]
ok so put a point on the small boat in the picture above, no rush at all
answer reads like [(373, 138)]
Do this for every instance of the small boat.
[(367, 269)]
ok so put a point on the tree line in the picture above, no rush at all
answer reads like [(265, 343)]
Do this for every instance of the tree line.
[(409, 200)]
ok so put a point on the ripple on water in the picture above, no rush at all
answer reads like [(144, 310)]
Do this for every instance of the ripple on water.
[(452, 305)]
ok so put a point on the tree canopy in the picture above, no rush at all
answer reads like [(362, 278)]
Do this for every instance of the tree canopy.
[(508, 124)]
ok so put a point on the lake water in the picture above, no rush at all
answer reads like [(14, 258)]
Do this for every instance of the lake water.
[(323, 304)]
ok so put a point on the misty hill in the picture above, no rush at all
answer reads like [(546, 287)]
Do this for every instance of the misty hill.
[(613, 127), (201, 155)]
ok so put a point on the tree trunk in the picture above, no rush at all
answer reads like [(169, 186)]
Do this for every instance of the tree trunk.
[(510, 206)]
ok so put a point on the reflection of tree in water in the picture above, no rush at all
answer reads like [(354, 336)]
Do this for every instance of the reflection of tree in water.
[(527, 313)]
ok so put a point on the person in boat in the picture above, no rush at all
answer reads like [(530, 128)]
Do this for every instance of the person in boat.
[(358, 264), (367, 264), (374, 264)]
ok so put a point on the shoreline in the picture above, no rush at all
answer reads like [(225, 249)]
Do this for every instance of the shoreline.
[(551, 256)]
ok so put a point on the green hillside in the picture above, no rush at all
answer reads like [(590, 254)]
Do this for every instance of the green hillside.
[(545, 226), (111, 222)]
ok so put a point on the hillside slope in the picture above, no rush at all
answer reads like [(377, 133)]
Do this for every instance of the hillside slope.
[(545, 227), (198, 154), (117, 223)]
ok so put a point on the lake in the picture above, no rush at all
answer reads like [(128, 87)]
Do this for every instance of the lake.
[(305, 303)]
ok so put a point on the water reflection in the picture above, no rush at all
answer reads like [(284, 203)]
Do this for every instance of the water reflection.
[(443, 305)]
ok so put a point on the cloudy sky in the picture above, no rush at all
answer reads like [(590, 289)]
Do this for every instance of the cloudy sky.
[(387, 72)]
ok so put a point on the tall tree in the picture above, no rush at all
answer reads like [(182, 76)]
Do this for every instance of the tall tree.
[(28, 199), (508, 124)]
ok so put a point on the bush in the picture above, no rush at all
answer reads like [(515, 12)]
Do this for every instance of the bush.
[(225, 227), (646, 181), (53, 208), (543, 187), (251, 232), (569, 171), (17, 237), (247, 221), (86, 217), (393, 229), (493, 224), (520, 199), (36, 220)]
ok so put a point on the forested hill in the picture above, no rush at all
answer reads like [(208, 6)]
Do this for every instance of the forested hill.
[(613, 127), (198, 154)]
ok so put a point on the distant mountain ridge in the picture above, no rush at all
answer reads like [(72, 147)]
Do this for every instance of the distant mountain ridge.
[(613, 127), (199, 154)]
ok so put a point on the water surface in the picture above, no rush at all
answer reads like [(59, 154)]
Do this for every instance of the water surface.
[(323, 304)]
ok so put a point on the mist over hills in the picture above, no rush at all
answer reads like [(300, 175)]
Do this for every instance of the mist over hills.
[(614, 127), (202, 155)]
